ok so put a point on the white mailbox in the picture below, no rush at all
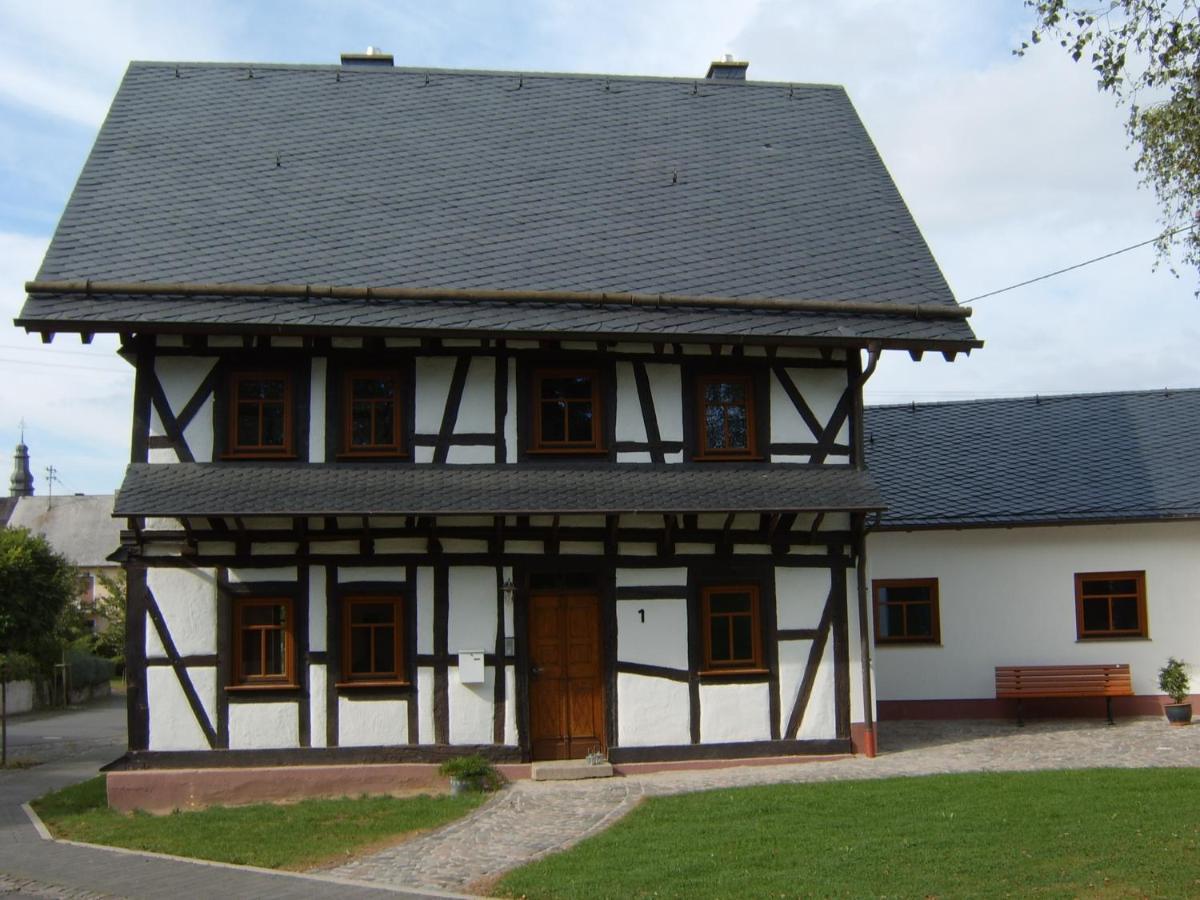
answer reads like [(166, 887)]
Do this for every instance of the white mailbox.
[(470, 667)]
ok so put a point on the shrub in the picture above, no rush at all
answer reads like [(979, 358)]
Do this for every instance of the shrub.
[(473, 768), (19, 667), (87, 670), (1173, 680)]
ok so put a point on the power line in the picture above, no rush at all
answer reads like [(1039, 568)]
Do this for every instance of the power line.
[(1087, 262), (4, 360)]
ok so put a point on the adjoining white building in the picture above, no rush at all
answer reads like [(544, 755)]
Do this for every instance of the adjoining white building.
[(1033, 531)]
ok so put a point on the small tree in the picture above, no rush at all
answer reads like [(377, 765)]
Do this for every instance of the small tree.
[(110, 643), (1173, 680), (37, 590)]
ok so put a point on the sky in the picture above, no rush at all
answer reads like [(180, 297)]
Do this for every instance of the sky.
[(1012, 167)]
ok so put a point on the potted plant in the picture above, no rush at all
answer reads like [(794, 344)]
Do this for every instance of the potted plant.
[(1173, 681), (470, 773)]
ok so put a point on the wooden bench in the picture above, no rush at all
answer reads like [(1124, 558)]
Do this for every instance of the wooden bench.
[(1021, 682)]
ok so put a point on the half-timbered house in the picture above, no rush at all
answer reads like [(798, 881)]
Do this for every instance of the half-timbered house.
[(518, 413)]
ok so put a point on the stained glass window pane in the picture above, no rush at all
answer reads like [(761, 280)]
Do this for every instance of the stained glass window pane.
[(579, 417), (554, 422), (247, 425), (360, 424), (384, 424), (739, 436), (272, 425), (714, 427), (373, 389)]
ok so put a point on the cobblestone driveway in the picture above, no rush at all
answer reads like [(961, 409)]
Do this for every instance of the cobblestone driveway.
[(531, 819)]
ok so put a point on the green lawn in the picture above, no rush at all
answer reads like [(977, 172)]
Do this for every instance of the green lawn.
[(293, 836), (1096, 833)]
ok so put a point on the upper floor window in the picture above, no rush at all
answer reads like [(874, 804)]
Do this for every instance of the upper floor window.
[(371, 405), (372, 635), (566, 411), (260, 414), (906, 611), (732, 629), (1110, 604), (264, 642), (725, 407)]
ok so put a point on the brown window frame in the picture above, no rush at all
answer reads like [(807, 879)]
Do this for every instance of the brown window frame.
[(596, 444), (935, 616), (396, 447), (237, 450), (703, 451), (245, 681), (1139, 579), (373, 678), (756, 664)]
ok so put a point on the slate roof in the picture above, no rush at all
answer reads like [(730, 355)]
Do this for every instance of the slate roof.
[(1131, 456), (80, 527), (460, 180), (6, 508), (266, 489)]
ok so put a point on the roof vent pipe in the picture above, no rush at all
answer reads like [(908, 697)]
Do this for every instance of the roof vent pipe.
[(373, 57), (727, 69)]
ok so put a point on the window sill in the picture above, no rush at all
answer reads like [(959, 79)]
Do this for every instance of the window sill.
[(711, 673), (271, 456), (1106, 638), (246, 688), (567, 451), (351, 685), (373, 454)]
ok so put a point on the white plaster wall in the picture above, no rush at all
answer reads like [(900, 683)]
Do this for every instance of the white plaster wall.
[(172, 723), (477, 409), (372, 723), (424, 611), (659, 641), (821, 389), (472, 621), (793, 658), (249, 576), (630, 424), (800, 595), (651, 577), (734, 712), (820, 717), (394, 574), (188, 601), (510, 416), (433, 374), (316, 412), (510, 705), (652, 711), (786, 424), (667, 391), (179, 377), (317, 612), (425, 705), (263, 726), (470, 708), (317, 723), (1007, 597), (470, 456)]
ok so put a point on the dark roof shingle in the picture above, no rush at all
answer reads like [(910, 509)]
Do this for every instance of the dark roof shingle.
[(217, 173), (1078, 458), (207, 489)]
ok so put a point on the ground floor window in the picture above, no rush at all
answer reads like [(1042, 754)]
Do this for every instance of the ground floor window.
[(264, 642), (732, 629), (1110, 604), (906, 611), (372, 632)]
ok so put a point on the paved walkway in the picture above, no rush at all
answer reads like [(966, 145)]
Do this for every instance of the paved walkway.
[(531, 819), (72, 746)]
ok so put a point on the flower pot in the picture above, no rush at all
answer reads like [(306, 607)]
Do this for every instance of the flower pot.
[(1178, 713)]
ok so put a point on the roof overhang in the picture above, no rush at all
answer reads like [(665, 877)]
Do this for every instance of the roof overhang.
[(178, 490)]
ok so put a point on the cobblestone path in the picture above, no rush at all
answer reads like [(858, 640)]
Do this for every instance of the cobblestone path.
[(531, 819)]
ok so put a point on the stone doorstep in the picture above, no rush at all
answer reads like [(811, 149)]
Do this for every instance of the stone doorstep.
[(569, 770)]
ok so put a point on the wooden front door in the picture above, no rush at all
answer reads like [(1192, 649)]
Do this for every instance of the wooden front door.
[(566, 684)]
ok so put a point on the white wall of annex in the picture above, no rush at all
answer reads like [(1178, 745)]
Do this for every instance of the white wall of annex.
[(734, 712), (1007, 597), (263, 726), (652, 711), (372, 722)]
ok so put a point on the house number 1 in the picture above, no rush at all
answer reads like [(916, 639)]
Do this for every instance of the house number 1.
[(642, 613)]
